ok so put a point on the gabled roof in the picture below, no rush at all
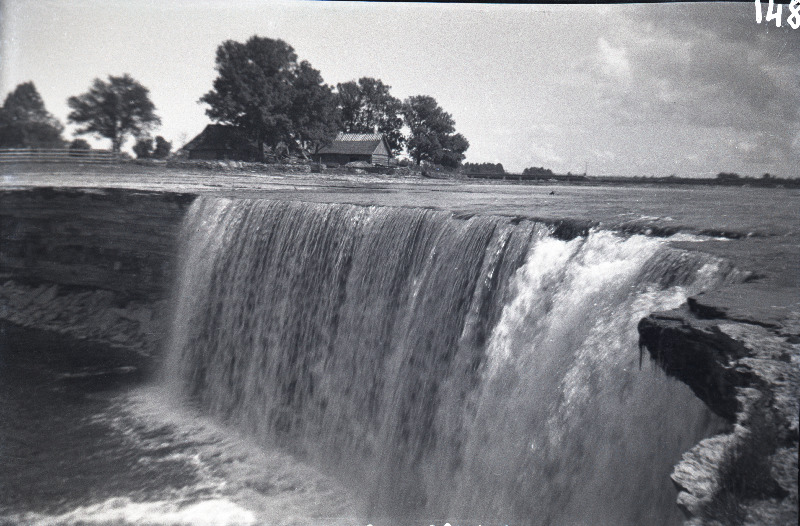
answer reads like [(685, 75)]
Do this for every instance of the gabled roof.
[(359, 136), (219, 137), (355, 144)]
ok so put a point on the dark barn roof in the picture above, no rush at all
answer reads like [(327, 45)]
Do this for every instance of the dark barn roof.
[(219, 137), (355, 144)]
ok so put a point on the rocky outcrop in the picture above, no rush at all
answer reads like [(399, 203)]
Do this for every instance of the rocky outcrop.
[(97, 316), (118, 240), (739, 351), (90, 264)]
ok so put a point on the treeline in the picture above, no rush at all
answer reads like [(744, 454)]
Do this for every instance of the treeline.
[(483, 168), (113, 109), (279, 102), (541, 171), (721, 179), (767, 180)]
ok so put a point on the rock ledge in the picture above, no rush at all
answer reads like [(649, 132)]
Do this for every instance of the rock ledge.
[(739, 351)]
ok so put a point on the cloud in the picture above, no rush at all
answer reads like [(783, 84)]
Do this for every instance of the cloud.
[(708, 67), (546, 154), (604, 155), (613, 61)]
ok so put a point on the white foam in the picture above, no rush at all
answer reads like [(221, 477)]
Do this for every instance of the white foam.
[(123, 511), (563, 413), (241, 481), (695, 238)]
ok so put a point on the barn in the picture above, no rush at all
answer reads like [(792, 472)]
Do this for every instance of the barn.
[(370, 148), (221, 142)]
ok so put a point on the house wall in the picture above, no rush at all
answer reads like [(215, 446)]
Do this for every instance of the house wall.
[(380, 159), (381, 155)]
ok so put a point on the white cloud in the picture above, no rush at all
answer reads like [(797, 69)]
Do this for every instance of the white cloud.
[(613, 61), (545, 154), (707, 76), (604, 155)]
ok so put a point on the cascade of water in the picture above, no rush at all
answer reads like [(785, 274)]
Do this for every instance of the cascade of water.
[(453, 368)]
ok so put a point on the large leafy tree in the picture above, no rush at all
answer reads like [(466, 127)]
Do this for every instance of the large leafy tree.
[(143, 148), (313, 112), (452, 152), (367, 106), (261, 88), (432, 136), (115, 109), (24, 121)]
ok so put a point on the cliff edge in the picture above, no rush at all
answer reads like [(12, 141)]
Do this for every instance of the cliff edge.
[(93, 264), (739, 351)]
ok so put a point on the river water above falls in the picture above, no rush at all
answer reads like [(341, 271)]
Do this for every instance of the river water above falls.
[(347, 364)]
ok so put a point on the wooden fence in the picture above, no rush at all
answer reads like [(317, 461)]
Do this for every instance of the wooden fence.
[(56, 155)]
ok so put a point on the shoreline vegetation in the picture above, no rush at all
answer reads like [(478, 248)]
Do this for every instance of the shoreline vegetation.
[(527, 176)]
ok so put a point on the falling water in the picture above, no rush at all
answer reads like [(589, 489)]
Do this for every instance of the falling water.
[(476, 370)]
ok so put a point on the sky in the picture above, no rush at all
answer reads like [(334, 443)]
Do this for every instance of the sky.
[(626, 90)]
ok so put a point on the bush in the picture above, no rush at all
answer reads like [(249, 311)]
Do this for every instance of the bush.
[(143, 148), (163, 147), (79, 144)]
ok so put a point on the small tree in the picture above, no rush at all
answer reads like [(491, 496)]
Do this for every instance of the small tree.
[(163, 147), (483, 168), (114, 110), (542, 171), (25, 123), (143, 148)]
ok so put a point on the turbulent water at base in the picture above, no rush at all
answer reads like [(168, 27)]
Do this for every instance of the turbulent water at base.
[(477, 370)]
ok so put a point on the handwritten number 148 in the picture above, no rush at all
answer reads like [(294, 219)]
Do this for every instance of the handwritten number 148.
[(774, 13)]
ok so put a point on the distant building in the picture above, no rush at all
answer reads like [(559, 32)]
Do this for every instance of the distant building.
[(370, 148), (221, 142)]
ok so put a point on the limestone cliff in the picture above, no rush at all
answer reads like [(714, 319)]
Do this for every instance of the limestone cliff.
[(739, 351), (91, 264)]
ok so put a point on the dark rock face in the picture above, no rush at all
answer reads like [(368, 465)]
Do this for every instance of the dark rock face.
[(89, 264), (739, 351), (118, 240)]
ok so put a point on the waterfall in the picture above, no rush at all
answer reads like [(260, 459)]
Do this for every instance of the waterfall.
[(470, 369)]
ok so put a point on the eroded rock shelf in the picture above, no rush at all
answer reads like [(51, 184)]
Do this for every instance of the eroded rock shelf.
[(739, 351)]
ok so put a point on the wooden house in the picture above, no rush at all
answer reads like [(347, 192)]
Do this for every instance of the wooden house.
[(370, 148), (221, 142)]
